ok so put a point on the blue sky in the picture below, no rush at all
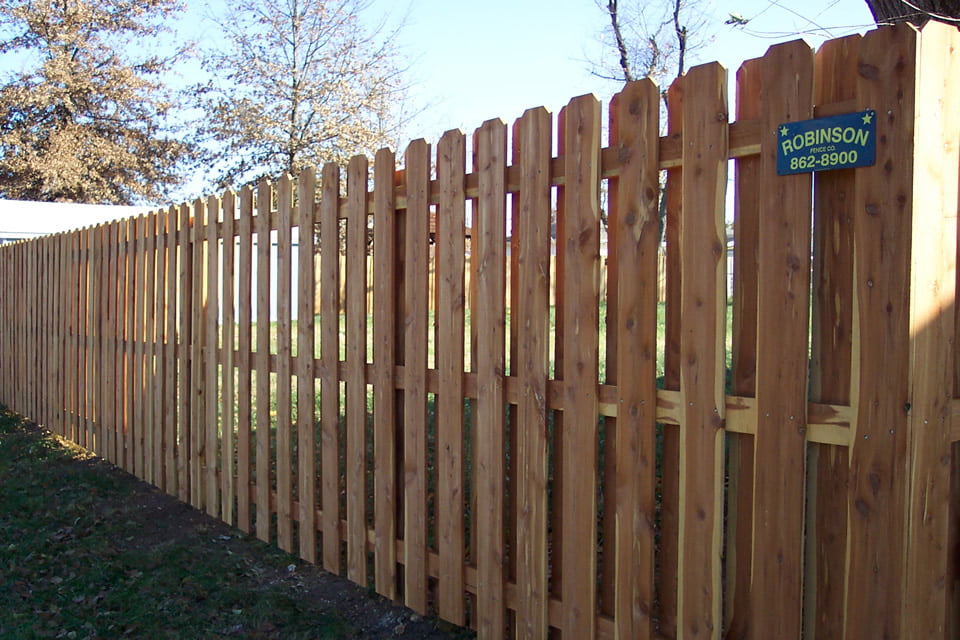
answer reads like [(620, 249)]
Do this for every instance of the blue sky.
[(471, 61)]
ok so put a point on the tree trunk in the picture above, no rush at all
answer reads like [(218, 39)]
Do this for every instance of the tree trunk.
[(918, 12)]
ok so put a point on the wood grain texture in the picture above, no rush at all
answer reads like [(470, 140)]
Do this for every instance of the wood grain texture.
[(932, 324), (702, 295), (531, 315), (634, 210), (384, 388), (490, 149), (356, 358), (211, 313), (227, 355), (739, 524), (284, 461), (329, 356), (244, 350), (416, 296), (783, 302), (882, 197), (581, 285), (306, 386), (262, 362), (830, 351), (450, 248)]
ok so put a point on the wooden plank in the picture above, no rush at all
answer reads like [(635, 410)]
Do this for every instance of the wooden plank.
[(489, 234), (532, 315), (244, 352), (451, 248), (149, 427), (126, 308), (227, 356), (329, 356), (384, 390), (198, 345), (557, 538), (783, 302), (211, 313), (703, 295), (416, 296), (634, 201), (306, 413), (262, 361), (830, 349), (184, 387), (284, 461), (581, 285), (932, 323), (139, 277), (667, 591), (86, 312), (111, 411), (160, 406), (886, 64), (739, 523), (170, 359), (356, 356)]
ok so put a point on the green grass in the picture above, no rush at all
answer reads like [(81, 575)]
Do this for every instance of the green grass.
[(83, 555)]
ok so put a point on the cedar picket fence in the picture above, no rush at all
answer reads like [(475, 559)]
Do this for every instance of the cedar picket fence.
[(817, 497)]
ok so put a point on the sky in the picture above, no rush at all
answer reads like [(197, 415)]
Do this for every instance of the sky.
[(471, 61)]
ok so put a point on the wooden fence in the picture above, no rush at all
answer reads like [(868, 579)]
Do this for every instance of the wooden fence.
[(553, 486)]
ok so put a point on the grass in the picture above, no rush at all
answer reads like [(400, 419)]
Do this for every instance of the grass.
[(87, 551)]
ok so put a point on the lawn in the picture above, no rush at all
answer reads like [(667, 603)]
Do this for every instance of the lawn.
[(87, 551)]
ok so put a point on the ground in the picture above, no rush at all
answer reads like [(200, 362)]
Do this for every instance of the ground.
[(88, 551)]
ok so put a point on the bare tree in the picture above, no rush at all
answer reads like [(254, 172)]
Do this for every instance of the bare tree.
[(81, 121), (298, 82), (649, 39)]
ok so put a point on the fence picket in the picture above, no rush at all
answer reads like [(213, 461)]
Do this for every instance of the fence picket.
[(329, 359), (284, 458), (634, 209), (227, 356), (532, 317), (211, 312), (306, 395), (170, 359), (384, 386), (139, 322), (244, 357), (877, 496), (184, 387), (416, 296), (782, 351), (702, 296), (835, 81), (262, 362), (581, 284), (147, 387), (740, 461), (450, 243), (490, 149), (198, 345), (356, 357), (667, 590)]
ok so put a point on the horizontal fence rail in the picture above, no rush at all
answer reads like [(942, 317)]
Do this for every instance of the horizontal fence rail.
[(481, 383)]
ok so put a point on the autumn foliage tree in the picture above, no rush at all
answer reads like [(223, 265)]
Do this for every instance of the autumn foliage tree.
[(84, 117), (298, 83)]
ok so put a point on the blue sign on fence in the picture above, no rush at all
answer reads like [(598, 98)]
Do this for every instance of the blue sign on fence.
[(838, 142)]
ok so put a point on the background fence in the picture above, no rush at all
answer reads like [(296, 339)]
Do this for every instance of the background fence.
[(575, 462)]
